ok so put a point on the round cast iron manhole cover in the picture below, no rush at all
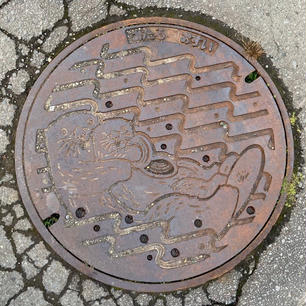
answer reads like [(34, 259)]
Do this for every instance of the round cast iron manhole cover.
[(146, 160)]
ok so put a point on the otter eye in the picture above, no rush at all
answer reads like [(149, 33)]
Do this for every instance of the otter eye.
[(90, 121), (64, 131)]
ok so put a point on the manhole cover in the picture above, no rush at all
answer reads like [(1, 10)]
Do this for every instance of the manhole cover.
[(147, 159)]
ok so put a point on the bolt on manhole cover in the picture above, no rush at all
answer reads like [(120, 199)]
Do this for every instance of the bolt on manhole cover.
[(147, 159)]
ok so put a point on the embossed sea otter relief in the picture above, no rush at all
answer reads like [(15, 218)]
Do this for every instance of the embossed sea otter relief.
[(137, 159), (131, 177)]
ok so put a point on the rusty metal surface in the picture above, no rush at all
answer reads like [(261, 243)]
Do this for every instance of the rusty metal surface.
[(164, 165)]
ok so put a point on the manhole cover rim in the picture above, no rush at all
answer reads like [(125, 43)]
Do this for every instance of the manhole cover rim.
[(69, 257)]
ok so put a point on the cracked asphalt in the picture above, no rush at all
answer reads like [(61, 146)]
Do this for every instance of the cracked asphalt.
[(32, 33)]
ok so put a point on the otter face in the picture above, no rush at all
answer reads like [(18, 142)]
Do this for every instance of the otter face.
[(72, 134), (112, 137)]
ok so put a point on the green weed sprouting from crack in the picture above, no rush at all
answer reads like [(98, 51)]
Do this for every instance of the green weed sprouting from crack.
[(291, 188), (252, 76), (51, 220), (293, 119)]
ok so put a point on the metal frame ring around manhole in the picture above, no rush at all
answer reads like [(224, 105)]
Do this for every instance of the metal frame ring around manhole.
[(145, 159)]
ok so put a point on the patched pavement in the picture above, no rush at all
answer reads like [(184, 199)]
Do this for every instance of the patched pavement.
[(32, 33)]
